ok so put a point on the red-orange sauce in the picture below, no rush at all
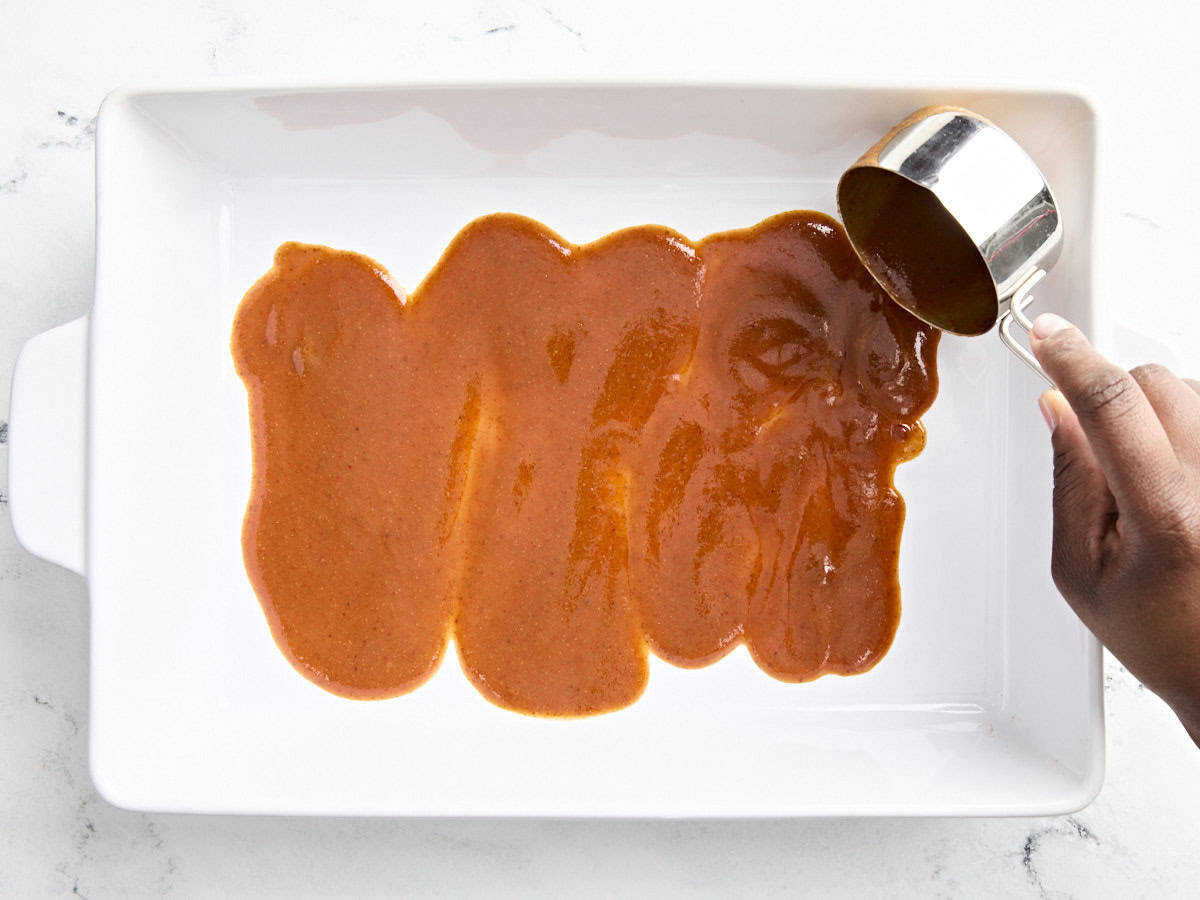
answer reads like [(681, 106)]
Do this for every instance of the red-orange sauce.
[(563, 456)]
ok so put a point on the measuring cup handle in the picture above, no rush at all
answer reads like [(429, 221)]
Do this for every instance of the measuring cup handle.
[(1021, 300)]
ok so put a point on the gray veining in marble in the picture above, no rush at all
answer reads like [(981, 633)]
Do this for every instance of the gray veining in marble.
[(56, 63)]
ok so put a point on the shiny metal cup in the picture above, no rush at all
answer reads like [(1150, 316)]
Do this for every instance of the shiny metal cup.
[(948, 200)]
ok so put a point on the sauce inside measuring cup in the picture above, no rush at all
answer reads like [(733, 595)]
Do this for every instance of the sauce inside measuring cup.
[(566, 457), (918, 251)]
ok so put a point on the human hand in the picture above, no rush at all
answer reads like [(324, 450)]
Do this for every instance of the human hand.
[(1126, 552)]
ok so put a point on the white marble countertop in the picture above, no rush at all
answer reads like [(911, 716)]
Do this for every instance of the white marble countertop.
[(57, 62)]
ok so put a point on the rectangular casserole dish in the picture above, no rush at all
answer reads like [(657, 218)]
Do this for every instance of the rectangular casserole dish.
[(130, 463)]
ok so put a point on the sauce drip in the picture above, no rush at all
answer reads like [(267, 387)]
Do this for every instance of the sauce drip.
[(565, 456)]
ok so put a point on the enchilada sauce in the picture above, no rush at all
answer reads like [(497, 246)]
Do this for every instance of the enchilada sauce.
[(567, 456)]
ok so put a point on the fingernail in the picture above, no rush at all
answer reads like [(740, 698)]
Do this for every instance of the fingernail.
[(1047, 324), (1049, 413)]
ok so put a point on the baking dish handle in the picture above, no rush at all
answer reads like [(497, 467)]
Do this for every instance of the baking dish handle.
[(47, 445), (1131, 346)]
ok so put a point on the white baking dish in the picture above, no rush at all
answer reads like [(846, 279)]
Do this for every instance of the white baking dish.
[(989, 701)]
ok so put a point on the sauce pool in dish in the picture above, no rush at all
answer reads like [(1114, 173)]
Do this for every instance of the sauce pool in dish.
[(566, 457)]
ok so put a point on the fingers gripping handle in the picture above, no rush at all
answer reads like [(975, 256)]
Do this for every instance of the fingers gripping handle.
[(1021, 300), (47, 445)]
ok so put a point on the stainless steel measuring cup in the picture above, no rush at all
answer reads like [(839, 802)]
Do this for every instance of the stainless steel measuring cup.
[(955, 221)]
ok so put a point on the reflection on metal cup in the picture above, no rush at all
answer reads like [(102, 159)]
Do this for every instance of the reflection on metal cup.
[(954, 220)]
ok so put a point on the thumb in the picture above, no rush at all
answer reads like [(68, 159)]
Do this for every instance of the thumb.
[(1084, 508)]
